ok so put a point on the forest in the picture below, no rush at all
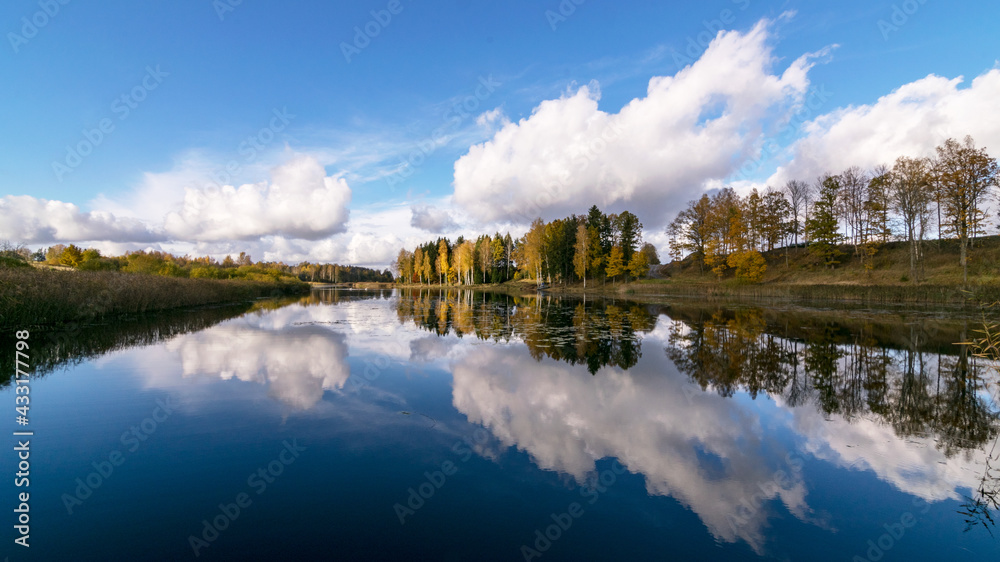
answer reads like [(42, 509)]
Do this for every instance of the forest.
[(859, 209), (594, 246)]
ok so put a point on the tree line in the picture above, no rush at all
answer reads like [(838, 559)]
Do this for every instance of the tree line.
[(574, 249), (206, 267), (864, 209)]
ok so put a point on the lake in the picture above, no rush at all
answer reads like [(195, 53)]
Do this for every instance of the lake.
[(431, 425)]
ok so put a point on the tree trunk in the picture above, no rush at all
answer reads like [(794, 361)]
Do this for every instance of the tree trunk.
[(965, 263), (913, 257)]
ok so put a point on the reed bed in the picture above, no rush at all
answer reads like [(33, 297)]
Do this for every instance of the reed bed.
[(31, 296)]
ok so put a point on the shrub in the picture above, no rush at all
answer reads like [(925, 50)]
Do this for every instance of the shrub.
[(171, 269), (71, 256), (750, 266), (204, 272), (8, 261), (141, 262)]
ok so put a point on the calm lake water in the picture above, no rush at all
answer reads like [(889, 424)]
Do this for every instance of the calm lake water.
[(356, 425)]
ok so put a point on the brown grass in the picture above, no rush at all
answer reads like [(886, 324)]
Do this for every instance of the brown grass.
[(47, 296)]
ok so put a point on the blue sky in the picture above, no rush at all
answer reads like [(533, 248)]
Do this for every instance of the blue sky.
[(217, 75)]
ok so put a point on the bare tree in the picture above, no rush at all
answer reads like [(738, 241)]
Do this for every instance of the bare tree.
[(799, 194), (911, 198), (853, 195)]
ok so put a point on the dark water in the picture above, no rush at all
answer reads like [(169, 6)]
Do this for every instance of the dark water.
[(462, 426)]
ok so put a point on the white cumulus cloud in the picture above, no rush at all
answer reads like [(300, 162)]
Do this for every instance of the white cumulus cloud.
[(300, 202), (910, 121), (691, 128)]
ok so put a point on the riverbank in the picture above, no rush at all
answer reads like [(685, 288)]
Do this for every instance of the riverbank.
[(657, 290), (35, 296)]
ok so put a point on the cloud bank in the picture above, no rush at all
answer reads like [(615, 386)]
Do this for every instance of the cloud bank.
[(30, 220)]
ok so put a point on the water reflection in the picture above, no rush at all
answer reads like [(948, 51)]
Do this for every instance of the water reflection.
[(731, 421), (877, 394), (296, 367), (297, 352), (850, 373), (595, 333), (58, 347), (691, 446)]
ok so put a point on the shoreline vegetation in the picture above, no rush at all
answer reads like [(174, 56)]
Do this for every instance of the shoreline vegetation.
[(791, 277), (33, 296), (68, 284)]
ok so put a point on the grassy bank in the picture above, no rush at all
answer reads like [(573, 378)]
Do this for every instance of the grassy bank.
[(33, 296), (650, 290), (939, 266), (972, 296), (793, 276)]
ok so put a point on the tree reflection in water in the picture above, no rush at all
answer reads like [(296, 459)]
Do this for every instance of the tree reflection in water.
[(852, 373), (595, 333), (848, 372)]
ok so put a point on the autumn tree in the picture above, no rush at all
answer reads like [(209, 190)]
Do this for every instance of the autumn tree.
[(690, 231), (727, 230), (442, 261), (71, 256), (750, 265), (532, 251), (616, 265), (964, 175), (638, 266), (53, 253), (753, 219), (600, 232), (404, 266), (581, 254), (911, 198), (596, 255), (464, 255), (418, 264), (90, 254), (427, 268), (498, 258), (508, 244)]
